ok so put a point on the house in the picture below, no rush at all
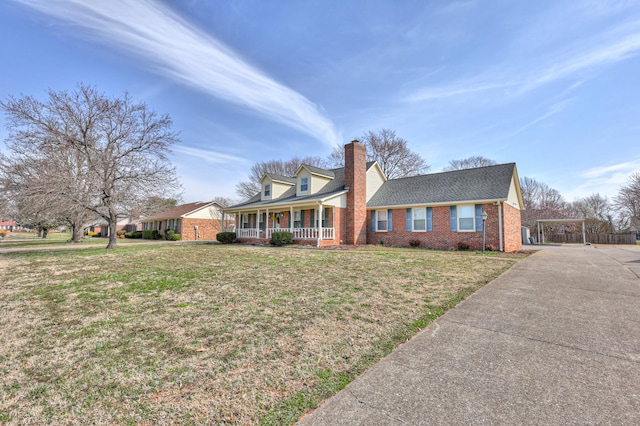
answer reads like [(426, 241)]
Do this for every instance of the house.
[(193, 221), (357, 204), (11, 226)]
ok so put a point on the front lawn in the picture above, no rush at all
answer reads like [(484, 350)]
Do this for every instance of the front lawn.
[(210, 334)]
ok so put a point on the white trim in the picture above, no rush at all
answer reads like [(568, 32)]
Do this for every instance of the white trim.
[(386, 220), (414, 209), (473, 217), (442, 204)]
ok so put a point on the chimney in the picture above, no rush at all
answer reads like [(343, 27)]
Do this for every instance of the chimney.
[(355, 177)]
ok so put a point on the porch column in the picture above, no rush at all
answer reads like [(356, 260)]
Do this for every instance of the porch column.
[(584, 236), (319, 219), (291, 219), (266, 224), (258, 223)]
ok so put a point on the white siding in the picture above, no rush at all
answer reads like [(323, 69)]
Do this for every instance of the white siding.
[(211, 212), (375, 179), (318, 182), (512, 199), (340, 201)]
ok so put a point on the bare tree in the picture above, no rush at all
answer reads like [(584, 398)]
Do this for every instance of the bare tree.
[(469, 163), (36, 180), (627, 202), (541, 202), (119, 149), (250, 187), (598, 212), (155, 204), (224, 201), (390, 151)]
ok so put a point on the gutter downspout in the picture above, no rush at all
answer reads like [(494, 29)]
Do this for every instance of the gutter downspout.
[(500, 236)]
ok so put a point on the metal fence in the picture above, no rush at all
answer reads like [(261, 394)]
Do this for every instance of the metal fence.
[(593, 238)]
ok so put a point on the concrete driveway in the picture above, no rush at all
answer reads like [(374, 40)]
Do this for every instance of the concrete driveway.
[(554, 340)]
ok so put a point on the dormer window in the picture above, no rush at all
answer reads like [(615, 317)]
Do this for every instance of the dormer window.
[(304, 184), (267, 190)]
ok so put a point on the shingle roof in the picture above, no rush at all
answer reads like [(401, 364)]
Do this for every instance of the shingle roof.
[(179, 211), (483, 183), (281, 178), (334, 186), (319, 171)]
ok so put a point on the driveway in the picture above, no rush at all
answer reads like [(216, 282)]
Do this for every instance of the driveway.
[(554, 340)]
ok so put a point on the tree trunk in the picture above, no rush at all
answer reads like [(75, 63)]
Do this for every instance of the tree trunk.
[(113, 222), (44, 232), (76, 232)]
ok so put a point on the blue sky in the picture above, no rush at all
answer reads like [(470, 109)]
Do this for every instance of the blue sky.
[(551, 85)]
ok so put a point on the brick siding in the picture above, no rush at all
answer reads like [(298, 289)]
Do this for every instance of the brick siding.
[(512, 225), (441, 236), (207, 229)]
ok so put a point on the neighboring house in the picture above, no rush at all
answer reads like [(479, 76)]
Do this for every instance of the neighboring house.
[(193, 221), (11, 226), (357, 204), (101, 227)]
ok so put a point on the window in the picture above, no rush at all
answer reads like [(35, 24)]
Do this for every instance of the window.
[(420, 219), (325, 218), (267, 190), (304, 184), (466, 218), (245, 221), (381, 220), (297, 219)]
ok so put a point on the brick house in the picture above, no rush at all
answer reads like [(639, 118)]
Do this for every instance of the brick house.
[(357, 204), (193, 221)]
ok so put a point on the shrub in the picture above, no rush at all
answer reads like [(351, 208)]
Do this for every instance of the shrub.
[(118, 233), (168, 234), (226, 237), (3, 234), (463, 246), (129, 234), (176, 237), (281, 238), (150, 234), (414, 243)]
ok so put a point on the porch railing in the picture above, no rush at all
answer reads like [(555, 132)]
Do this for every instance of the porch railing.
[(246, 233), (298, 233)]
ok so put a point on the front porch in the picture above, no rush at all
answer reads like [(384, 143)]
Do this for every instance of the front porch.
[(311, 225)]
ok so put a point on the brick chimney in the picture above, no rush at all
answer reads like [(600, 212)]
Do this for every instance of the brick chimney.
[(355, 177)]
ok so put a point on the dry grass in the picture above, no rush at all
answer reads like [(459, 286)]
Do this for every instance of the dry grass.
[(209, 334)]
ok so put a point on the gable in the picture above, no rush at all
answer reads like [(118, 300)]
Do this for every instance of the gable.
[(277, 186), (315, 182), (375, 178), (210, 212)]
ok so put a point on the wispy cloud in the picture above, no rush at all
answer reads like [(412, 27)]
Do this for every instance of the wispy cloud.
[(179, 50), (456, 89), (626, 168), (598, 56), (209, 156), (521, 77)]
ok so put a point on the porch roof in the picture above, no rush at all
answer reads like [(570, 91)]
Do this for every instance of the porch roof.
[(281, 202)]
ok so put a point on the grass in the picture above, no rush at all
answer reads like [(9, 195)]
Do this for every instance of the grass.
[(20, 240), (210, 334)]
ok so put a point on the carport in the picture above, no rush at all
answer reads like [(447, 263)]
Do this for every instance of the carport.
[(543, 221)]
